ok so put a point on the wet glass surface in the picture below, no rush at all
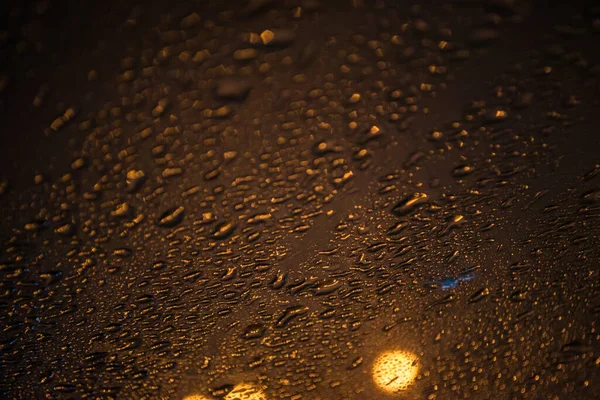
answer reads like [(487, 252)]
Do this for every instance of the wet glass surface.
[(299, 200)]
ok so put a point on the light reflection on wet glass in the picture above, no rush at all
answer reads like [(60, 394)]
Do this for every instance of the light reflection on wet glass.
[(246, 391), (195, 397), (395, 371), (242, 391)]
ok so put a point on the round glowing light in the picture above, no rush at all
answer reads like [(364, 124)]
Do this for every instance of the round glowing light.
[(246, 391), (395, 371)]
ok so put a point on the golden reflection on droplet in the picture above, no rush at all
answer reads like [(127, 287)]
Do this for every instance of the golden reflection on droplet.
[(246, 391), (395, 371), (195, 397)]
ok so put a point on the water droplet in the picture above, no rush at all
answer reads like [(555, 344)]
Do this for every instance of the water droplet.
[(290, 314), (591, 197), (409, 204), (171, 217), (135, 180), (224, 229), (462, 170), (254, 331)]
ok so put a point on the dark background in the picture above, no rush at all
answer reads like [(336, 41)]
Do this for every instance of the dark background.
[(277, 242)]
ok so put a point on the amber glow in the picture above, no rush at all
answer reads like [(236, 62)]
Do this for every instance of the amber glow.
[(395, 371), (195, 397), (246, 391)]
